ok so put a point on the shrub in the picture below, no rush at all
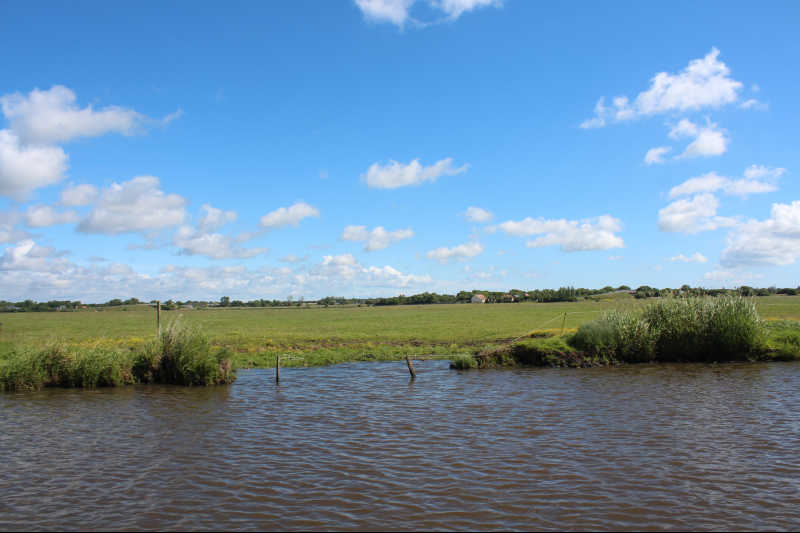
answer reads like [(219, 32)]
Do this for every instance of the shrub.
[(463, 362)]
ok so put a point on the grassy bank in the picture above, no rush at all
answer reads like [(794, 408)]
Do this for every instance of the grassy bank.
[(182, 355), (686, 330)]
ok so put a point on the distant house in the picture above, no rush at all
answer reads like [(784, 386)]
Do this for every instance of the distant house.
[(478, 299)]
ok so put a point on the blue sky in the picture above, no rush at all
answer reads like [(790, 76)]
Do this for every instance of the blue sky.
[(377, 147)]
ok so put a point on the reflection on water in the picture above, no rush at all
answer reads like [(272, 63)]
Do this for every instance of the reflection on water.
[(362, 446)]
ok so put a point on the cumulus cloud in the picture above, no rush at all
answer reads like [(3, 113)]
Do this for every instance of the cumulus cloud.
[(597, 233), (8, 230), (460, 252), (79, 195), (479, 215), (24, 168), (709, 140), (135, 205), (394, 174), (193, 241), (288, 216), (656, 155), (730, 276), (345, 269), (774, 241), (393, 11), (49, 117), (41, 216), (292, 258), (757, 179), (398, 12), (376, 239), (214, 218), (752, 103), (696, 257), (704, 83), (27, 255), (693, 216)]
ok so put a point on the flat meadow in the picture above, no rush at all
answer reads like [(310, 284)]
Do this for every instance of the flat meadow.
[(315, 335)]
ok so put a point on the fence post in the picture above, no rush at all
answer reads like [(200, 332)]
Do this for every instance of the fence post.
[(563, 322), (277, 368), (158, 317), (411, 367)]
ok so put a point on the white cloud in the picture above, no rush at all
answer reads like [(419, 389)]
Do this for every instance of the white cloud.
[(684, 128), (27, 255), (757, 179), (49, 117), (736, 277), (40, 216), (394, 11), (704, 83), (598, 121), (78, 195), (656, 155), (693, 216), (394, 174), (8, 230), (709, 182), (456, 8), (752, 103), (212, 245), (24, 168), (774, 241), (709, 141), (377, 239), (292, 258), (460, 252), (696, 257), (398, 12), (135, 205), (754, 172), (214, 218), (479, 215), (570, 235), (288, 216)]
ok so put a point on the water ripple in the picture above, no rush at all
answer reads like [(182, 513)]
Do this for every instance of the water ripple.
[(360, 446)]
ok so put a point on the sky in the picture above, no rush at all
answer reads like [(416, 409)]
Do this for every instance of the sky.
[(193, 150)]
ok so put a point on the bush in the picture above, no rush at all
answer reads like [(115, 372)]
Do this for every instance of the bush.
[(463, 362)]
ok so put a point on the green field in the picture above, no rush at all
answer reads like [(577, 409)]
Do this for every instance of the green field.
[(316, 335)]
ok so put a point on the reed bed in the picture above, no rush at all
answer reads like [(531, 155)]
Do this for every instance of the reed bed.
[(182, 355)]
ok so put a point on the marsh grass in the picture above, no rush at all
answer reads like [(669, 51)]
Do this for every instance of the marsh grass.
[(681, 329), (181, 356)]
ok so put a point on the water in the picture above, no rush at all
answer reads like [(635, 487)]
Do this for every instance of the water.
[(360, 446)]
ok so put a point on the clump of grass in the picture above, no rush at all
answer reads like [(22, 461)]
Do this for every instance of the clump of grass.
[(58, 365), (687, 329), (616, 336), (706, 329), (183, 355), (464, 362)]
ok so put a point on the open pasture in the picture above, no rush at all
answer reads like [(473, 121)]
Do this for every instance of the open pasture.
[(318, 335)]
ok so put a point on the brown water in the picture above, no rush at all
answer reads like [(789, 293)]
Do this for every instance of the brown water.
[(360, 446)]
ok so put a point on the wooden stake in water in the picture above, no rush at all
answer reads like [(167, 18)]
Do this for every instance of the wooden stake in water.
[(158, 317), (277, 368), (411, 367), (563, 322)]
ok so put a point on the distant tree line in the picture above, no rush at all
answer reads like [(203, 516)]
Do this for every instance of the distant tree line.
[(562, 294)]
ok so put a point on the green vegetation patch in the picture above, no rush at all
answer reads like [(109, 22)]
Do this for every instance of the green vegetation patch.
[(181, 356)]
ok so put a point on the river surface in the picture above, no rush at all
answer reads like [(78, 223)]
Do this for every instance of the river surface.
[(361, 446)]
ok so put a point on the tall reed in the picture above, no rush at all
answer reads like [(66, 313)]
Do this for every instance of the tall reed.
[(680, 329)]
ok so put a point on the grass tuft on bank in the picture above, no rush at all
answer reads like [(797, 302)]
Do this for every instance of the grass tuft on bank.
[(672, 330), (182, 355)]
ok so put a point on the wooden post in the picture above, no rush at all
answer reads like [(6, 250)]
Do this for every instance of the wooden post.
[(563, 322), (411, 367), (277, 368), (158, 317)]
